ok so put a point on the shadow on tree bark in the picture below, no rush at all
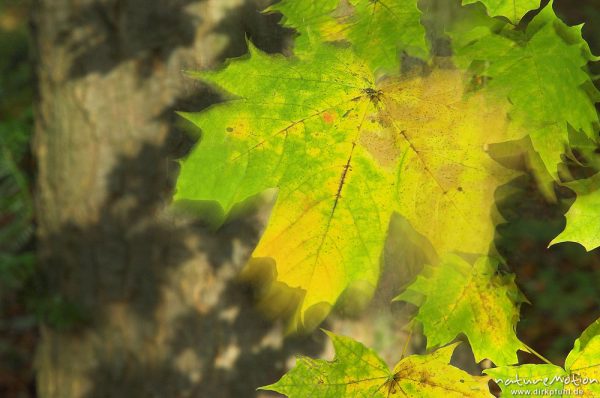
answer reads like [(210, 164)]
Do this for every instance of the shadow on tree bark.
[(153, 307), (115, 271), (105, 34)]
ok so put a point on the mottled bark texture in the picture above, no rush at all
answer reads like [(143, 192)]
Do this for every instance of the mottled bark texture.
[(163, 316)]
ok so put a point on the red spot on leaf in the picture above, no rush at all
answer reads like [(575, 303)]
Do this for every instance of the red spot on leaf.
[(328, 117)]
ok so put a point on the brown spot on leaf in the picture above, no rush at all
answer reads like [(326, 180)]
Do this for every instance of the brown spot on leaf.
[(382, 146)]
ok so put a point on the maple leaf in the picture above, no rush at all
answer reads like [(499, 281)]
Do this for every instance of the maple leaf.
[(514, 10), (582, 226), (542, 72), (358, 371), (379, 30), (345, 153), (456, 297), (579, 377), (307, 17)]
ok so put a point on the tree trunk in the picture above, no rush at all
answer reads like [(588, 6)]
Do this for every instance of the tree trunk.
[(160, 314)]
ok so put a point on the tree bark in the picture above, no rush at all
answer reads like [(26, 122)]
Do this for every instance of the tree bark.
[(161, 313)]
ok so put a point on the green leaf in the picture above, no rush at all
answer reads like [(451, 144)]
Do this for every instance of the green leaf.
[(511, 9), (16, 207), (541, 71), (456, 297), (248, 140), (584, 358), (580, 376), (308, 18), (516, 380), (358, 372), (293, 125), (345, 153), (378, 30), (582, 218)]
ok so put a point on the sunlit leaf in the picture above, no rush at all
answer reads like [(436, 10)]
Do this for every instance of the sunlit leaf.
[(514, 10), (345, 153), (378, 30), (542, 72), (476, 300), (582, 218), (358, 372), (308, 18), (580, 376)]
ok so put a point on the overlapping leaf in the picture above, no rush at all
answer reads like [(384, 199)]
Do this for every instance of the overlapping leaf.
[(345, 153), (456, 297), (359, 372), (297, 127), (512, 379), (514, 10), (274, 103), (378, 30), (346, 148), (582, 218), (309, 18), (541, 71), (446, 179), (580, 376)]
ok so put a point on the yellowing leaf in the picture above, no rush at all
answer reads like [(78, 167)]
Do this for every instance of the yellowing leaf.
[(378, 30), (584, 358), (511, 9), (308, 17), (582, 218), (529, 379), (345, 153), (358, 372), (580, 376), (248, 141), (445, 177), (456, 297)]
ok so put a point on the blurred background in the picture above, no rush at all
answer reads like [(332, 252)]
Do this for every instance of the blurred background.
[(104, 293)]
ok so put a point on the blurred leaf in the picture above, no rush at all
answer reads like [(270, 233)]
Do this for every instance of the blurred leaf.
[(345, 153), (456, 297), (582, 218), (358, 372), (542, 72), (514, 10), (580, 374), (379, 30)]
